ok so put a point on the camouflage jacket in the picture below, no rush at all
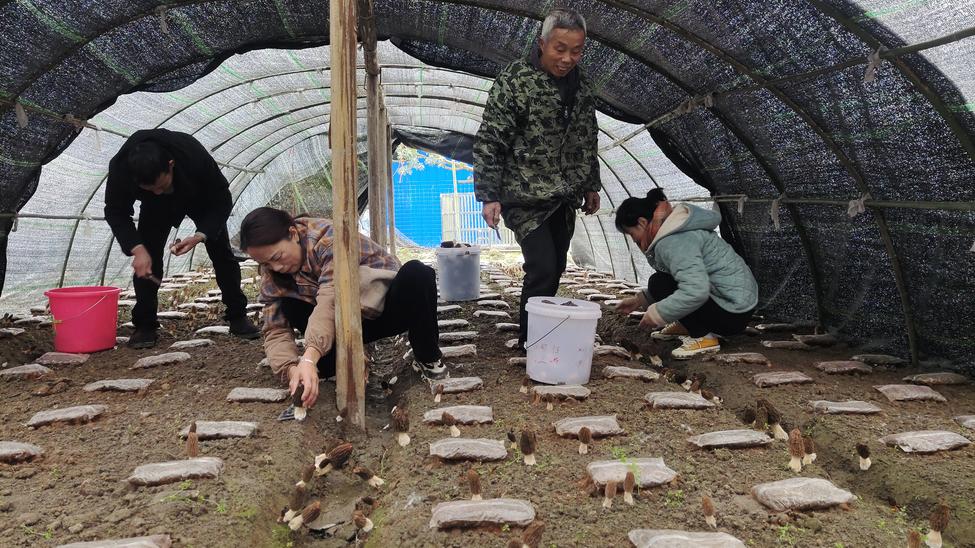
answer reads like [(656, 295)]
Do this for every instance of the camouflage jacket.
[(525, 157)]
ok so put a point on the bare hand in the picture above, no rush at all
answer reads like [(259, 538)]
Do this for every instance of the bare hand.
[(591, 204), (184, 246), (648, 321), (306, 374), (491, 211), (141, 262), (628, 305)]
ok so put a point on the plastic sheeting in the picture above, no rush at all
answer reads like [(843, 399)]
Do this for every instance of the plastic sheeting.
[(907, 135)]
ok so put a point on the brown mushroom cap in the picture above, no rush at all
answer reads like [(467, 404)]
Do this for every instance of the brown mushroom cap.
[(401, 420), (585, 435), (629, 482), (474, 481), (708, 505), (796, 448), (863, 450), (533, 534), (311, 512), (939, 517), (339, 455), (298, 498), (527, 443)]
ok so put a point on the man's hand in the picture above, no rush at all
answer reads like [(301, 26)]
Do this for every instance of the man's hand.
[(629, 304), (591, 204), (184, 246), (491, 211), (305, 373), (141, 262)]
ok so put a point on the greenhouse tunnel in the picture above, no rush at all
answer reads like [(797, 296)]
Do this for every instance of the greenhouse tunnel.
[(837, 138)]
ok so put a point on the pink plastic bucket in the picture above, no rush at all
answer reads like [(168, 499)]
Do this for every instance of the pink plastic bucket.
[(84, 317)]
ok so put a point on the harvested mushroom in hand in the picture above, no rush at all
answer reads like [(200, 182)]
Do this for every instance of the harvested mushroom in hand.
[(938, 522), (308, 515), (809, 450), (449, 420), (863, 451), (474, 481), (774, 419), (295, 503), (333, 460), (629, 483), (796, 450), (609, 491), (438, 393), (300, 411), (709, 515), (307, 473), (367, 475), (528, 444), (192, 442), (401, 425), (585, 440)]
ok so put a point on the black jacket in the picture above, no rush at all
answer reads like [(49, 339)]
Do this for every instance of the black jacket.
[(200, 191)]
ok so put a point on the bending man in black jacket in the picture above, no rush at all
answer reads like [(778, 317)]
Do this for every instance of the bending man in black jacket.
[(173, 176)]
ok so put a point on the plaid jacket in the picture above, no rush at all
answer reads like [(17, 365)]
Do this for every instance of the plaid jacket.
[(313, 283)]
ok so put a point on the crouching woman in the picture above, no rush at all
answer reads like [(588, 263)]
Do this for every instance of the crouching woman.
[(701, 287), (298, 292)]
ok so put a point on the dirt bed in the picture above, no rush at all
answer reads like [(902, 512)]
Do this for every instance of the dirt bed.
[(77, 490)]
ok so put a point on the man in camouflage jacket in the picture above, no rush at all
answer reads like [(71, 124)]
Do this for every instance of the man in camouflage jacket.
[(535, 157)]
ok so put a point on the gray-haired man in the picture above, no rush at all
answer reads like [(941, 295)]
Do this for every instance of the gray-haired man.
[(535, 157)]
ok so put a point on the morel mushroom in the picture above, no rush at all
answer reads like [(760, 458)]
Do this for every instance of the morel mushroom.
[(307, 473), (334, 459), (308, 515), (295, 503), (474, 481), (192, 442), (809, 448), (362, 523), (401, 425), (367, 475), (863, 451), (796, 450), (438, 393), (527, 445), (609, 491), (938, 522), (585, 439), (449, 420), (709, 515), (629, 483), (300, 411)]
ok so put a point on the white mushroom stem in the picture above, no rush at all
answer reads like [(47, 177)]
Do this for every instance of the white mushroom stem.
[(436, 399), (934, 539), (376, 481), (779, 433), (454, 431), (403, 439), (368, 526), (476, 497), (530, 459), (323, 471), (549, 406), (687, 385), (711, 521), (319, 459), (865, 463), (808, 459), (296, 522), (289, 515), (628, 498), (795, 463), (583, 449), (523, 389), (300, 413), (301, 483)]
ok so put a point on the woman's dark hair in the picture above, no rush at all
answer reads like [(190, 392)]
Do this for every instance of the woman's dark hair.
[(147, 161), (632, 209), (264, 226)]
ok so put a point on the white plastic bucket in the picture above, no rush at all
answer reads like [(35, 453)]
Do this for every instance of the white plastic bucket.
[(561, 333), (459, 273)]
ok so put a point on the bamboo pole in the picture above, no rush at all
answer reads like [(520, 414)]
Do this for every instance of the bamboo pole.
[(350, 371), (384, 167)]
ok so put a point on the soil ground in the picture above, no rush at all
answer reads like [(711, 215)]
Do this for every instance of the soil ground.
[(77, 491)]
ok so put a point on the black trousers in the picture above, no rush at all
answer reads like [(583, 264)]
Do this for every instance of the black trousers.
[(411, 307), (710, 318), (155, 222), (545, 250)]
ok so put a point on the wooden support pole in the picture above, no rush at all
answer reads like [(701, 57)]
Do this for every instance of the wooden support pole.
[(350, 369), (390, 195), (384, 167), (375, 128)]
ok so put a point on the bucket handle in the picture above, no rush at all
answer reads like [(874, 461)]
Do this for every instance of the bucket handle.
[(55, 322), (527, 346)]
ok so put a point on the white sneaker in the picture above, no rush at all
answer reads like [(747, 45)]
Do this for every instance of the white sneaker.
[(695, 347), (433, 370)]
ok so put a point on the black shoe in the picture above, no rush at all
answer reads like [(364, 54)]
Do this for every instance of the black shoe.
[(144, 337), (243, 328)]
